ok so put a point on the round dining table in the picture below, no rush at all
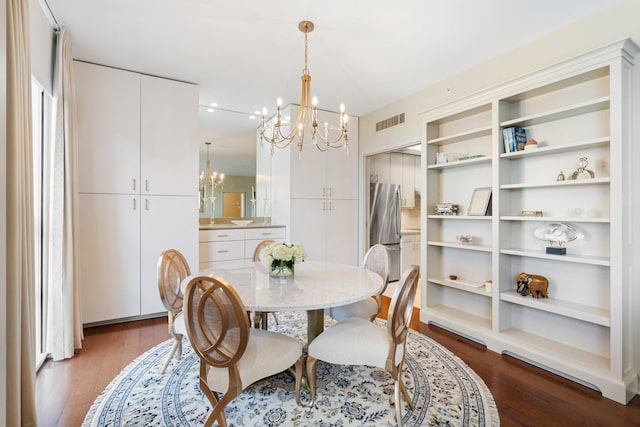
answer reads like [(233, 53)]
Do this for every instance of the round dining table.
[(315, 286)]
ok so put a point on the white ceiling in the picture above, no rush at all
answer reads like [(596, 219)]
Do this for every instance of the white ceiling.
[(366, 53)]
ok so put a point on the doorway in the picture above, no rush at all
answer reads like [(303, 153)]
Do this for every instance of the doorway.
[(233, 205)]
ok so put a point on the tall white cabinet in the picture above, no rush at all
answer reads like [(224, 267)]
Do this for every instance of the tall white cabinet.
[(578, 108), (316, 194), (138, 163)]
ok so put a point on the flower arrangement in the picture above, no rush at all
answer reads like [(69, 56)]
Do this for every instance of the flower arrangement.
[(281, 257)]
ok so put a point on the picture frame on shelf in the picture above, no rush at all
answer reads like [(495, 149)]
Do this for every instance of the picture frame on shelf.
[(480, 202)]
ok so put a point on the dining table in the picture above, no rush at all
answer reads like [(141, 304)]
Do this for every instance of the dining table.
[(316, 285)]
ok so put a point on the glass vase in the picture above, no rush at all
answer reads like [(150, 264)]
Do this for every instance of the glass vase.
[(282, 269)]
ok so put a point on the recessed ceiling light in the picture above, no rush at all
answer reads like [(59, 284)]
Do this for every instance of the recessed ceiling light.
[(252, 117), (211, 110), (257, 112), (214, 104)]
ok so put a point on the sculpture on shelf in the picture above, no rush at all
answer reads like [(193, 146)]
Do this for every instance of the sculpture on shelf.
[(557, 234), (582, 172), (532, 284)]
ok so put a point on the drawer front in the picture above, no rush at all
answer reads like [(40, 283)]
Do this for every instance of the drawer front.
[(265, 233), (221, 235), (250, 246), (221, 251)]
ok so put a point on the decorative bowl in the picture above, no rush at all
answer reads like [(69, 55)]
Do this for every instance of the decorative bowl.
[(464, 238), (242, 222)]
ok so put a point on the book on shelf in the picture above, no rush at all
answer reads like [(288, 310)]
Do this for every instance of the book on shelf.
[(514, 138)]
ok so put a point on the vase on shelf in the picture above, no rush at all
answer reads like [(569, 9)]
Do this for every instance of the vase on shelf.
[(282, 269)]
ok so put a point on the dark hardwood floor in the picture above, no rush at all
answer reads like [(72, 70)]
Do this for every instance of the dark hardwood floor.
[(525, 395)]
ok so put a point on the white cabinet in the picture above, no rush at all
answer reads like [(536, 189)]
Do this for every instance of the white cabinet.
[(225, 245), (381, 168), (138, 151), (402, 169), (109, 256), (108, 102), (316, 195), (409, 250), (579, 108), (323, 227)]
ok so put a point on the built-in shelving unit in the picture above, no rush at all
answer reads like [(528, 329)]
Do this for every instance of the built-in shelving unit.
[(574, 110)]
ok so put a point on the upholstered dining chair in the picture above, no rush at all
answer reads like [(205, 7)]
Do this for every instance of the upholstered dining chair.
[(172, 269), (358, 341), (261, 317), (232, 354), (376, 260)]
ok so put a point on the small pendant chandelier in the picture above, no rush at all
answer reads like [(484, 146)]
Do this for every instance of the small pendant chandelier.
[(210, 178), (280, 134)]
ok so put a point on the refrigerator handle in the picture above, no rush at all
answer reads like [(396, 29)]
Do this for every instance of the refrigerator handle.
[(398, 213)]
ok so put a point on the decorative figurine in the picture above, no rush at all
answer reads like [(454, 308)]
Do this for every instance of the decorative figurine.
[(531, 144), (582, 172), (557, 234), (532, 284), (560, 176)]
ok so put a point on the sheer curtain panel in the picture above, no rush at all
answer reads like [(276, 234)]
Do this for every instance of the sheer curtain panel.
[(64, 325), (20, 315)]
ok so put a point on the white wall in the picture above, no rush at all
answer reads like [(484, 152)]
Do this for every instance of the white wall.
[(616, 23)]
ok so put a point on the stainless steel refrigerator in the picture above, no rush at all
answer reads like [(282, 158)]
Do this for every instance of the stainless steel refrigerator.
[(384, 223)]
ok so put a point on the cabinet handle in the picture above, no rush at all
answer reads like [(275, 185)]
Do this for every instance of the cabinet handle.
[(324, 206), (324, 192), (330, 206), (266, 234), (222, 252), (146, 204), (146, 185), (134, 184), (223, 235), (330, 192), (134, 204)]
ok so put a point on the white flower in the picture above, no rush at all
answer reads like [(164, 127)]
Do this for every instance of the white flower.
[(278, 251)]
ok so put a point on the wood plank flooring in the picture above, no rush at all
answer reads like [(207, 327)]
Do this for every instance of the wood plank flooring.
[(525, 395)]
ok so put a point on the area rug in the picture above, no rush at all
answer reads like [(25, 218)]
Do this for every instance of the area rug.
[(445, 392)]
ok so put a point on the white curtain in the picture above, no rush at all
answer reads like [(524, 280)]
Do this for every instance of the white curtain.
[(64, 325), (20, 312)]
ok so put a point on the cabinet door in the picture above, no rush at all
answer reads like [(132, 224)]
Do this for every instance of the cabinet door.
[(108, 102), (308, 226), (342, 165), (395, 174), (167, 222), (382, 167), (109, 256), (169, 137), (408, 181), (342, 231)]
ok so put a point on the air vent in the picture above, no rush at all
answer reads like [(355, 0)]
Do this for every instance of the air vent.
[(391, 121)]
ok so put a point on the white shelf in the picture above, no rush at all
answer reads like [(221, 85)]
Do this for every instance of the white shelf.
[(463, 285), (579, 259), (556, 219), (560, 113), (468, 246), (461, 217), (555, 149), (598, 316), (458, 163), (557, 349), (469, 320), (566, 183), (451, 139)]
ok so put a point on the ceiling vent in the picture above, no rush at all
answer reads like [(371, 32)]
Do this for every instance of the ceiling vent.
[(391, 121)]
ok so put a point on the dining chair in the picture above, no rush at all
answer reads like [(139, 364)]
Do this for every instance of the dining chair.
[(358, 341), (232, 354), (260, 318), (172, 269), (376, 260)]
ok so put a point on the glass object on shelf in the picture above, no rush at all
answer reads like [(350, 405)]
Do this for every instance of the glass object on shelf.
[(560, 176), (582, 172), (464, 238), (557, 234)]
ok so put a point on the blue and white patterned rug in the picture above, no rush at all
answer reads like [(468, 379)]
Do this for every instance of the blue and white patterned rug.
[(445, 391)]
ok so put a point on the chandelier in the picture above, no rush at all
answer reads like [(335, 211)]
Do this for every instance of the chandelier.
[(280, 134), (210, 178)]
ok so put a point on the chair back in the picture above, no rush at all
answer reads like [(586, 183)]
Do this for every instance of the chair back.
[(172, 270), (216, 321), (260, 247), (401, 306), (377, 260)]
